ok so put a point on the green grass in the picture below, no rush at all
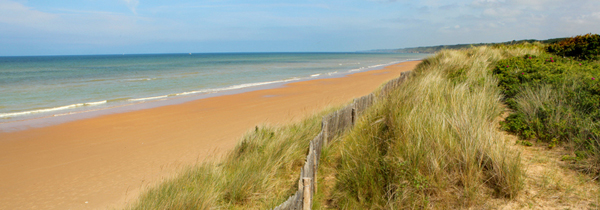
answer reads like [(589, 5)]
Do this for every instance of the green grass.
[(433, 143), (556, 100)]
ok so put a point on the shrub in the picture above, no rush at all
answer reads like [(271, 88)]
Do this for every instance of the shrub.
[(581, 47), (555, 99)]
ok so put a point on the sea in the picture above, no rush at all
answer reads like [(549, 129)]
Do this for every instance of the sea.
[(33, 87)]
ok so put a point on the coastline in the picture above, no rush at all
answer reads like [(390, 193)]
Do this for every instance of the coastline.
[(99, 108), (104, 161)]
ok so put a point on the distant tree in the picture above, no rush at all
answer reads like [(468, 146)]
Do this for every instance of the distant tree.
[(581, 47)]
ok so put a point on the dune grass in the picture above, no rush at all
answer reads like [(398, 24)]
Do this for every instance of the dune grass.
[(261, 172), (433, 143)]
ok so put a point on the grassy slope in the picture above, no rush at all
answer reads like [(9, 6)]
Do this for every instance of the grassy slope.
[(433, 143)]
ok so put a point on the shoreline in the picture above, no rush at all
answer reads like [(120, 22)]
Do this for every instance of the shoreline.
[(103, 162), (166, 100)]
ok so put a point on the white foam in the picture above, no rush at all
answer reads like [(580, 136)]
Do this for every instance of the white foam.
[(214, 90), (95, 103), (148, 98), (234, 87), (190, 92), (140, 79), (14, 114), (376, 66), (359, 69), (315, 75)]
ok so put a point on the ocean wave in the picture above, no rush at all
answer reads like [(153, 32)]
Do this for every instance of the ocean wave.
[(235, 87), (97, 80), (118, 99), (140, 79), (148, 98), (355, 70), (94, 103), (215, 90), (315, 75), (382, 65), (71, 106), (376, 66)]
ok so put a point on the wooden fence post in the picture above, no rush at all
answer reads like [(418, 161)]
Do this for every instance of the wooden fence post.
[(307, 197), (353, 113), (325, 129), (315, 167)]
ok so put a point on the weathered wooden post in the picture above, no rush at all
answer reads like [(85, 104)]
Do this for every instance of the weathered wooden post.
[(353, 114), (315, 170), (325, 129), (307, 197), (300, 179)]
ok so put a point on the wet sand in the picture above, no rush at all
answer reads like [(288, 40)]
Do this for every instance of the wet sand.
[(104, 162)]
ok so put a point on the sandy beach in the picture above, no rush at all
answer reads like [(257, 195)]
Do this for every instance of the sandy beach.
[(104, 162)]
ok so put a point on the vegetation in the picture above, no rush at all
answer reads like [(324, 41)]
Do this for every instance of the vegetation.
[(557, 99), (260, 173), (433, 143), (585, 47), (434, 49)]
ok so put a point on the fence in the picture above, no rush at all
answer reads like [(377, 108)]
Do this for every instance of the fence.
[(332, 125)]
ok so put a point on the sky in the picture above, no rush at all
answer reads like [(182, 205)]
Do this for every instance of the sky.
[(76, 27)]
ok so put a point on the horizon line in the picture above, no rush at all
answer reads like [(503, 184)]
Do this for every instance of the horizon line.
[(192, 53)]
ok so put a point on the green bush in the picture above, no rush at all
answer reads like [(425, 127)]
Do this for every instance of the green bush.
[(555, 100), (581, 47)]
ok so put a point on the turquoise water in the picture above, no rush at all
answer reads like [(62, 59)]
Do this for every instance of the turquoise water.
[(43, 86)]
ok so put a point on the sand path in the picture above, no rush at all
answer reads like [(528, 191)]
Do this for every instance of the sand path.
[(103, 162)]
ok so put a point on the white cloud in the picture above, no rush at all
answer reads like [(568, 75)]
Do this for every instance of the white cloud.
[(132, 4), (20, 22), (14, 13)]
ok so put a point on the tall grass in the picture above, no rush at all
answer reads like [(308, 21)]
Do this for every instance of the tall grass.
[(434, 142), (261, 172), (547, 115)]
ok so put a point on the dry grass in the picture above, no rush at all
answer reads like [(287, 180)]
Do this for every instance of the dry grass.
[(550, 183), (434, 143)]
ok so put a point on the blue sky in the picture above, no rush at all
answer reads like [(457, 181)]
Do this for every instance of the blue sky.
[(70, 27)]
